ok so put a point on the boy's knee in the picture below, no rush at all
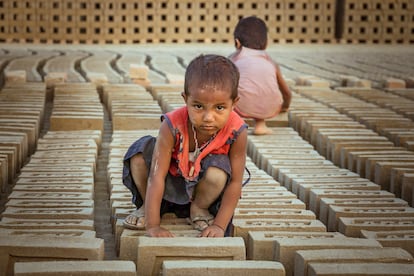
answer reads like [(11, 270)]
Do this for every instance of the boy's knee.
[(137, 160), (215, 176)]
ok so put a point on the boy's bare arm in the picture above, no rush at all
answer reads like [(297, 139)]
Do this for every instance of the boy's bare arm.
[(284, 88), (232, 192), (156, 181)]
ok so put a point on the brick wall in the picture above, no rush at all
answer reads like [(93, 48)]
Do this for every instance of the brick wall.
[(207, 21)]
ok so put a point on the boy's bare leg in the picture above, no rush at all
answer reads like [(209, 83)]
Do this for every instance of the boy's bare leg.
[(139, 173), (207, 191), (260, 127)]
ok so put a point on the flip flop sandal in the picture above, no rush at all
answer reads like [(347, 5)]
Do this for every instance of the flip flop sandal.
[(139, 214), (207, 220)]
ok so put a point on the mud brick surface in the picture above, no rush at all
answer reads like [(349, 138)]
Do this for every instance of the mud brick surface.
[(265, 160), (371, 269), (288, 203), (375, 173), (342, 147), (68, 187), (222, 267), (316, 194), (241, 227), (46, 213), (305, 188), (88, 181), (322, 177), (132, 121), (397, 238), (325, 203), (64, 248), (45, 233), (28, 131), (13, 163), (283, 193), (256, 213), (287, 176), (260, 244), (10, 143), (4, 177), (15, 76), (333, 148), (51, 195), (372, 255), (66, 268), (347, 151), (361, 156), (274, 165), (129, 240), (352, 226), (152, 252), (336, 212), (407, 188), (383, 169), (396, 183), (324, 135), (13, 223), (285, 248)]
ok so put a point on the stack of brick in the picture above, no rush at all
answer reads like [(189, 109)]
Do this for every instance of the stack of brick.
[(76, 107), (131, 107), (50, 212), (21, 116), (27, 66), (381, 154), (98, 68), (64, 65)]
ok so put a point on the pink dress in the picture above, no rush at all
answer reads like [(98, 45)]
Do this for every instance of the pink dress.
[(259, 92)]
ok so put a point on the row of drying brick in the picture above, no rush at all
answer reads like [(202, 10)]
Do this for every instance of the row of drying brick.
[(353, 206), (50, 210), (351, 144), (384, 112), (122, 101), (258, 201), (150, 255), (21, 117)]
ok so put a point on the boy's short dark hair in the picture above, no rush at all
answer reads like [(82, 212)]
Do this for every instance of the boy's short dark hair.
[(212, 72), (251, 32)]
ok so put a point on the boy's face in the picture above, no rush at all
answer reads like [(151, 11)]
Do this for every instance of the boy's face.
[(209, 110)]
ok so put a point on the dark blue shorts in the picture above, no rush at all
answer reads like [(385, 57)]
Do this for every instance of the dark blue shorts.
[(177, 194)]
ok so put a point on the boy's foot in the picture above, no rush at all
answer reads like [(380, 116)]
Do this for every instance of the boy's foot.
[(201, 222), (200, 218), (135, 220)]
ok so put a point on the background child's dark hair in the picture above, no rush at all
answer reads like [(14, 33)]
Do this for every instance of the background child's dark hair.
[(212, 72), (251, 32)]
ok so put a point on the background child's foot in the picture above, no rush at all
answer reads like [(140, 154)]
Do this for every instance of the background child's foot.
[(260, 128), (262, 131)]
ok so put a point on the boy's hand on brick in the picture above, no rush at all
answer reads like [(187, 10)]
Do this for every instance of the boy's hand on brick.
[(159, 232), (213, 231)]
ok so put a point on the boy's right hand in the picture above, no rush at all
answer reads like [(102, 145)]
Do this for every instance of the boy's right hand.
[(159, 232)]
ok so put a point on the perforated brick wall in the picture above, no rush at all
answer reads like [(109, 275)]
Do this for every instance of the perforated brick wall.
[(207, 21), (377, 21)]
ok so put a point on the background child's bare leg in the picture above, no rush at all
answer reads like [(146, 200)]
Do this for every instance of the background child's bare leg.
[(139, 172), (207, 191), (260, 127)]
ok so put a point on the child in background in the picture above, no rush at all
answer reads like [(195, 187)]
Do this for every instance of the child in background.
[(195, 166), (262, 90)]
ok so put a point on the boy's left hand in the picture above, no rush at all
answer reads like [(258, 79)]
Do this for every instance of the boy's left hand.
[(212, 231)]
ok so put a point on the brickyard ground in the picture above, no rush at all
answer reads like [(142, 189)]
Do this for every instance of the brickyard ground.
[(338, 166)]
